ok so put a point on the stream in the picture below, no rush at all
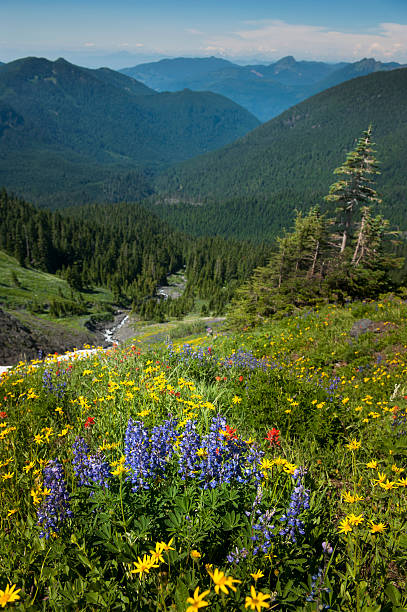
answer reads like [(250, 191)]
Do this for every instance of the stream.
[(121, 329)]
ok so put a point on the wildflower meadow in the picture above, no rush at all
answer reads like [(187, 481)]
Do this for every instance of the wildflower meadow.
[(264, 470)]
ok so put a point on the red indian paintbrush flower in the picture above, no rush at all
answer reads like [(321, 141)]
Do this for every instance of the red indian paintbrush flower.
[(273, 437), (89, 421), (230, 433)]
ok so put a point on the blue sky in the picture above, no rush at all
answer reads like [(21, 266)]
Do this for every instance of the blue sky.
[(124, 32)]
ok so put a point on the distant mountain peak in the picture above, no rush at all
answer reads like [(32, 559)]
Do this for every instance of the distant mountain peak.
[(288, 60)]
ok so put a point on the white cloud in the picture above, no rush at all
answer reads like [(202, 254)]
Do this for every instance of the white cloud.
[(305, 41), (193, 31), (89, 44)]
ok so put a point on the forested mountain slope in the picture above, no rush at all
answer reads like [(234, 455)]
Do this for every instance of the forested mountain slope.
[(288, 162), (125, 248), (352, 71), (77, 132)]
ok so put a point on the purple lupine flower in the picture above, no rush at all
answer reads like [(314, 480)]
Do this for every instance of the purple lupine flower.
[(316, 588), (211, 465), (188, 448), (58, 388), (136, 451), (327, 548), (162, 446), (147, 457), (299, 502), (263, 530), (55, 508), (89, 468)]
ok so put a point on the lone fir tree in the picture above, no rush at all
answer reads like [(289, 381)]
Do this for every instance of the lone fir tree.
[(354, 191)]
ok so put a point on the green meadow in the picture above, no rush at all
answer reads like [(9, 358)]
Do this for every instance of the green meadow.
[(260, 470)]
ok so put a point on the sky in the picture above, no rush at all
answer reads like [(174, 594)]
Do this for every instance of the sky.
[(123, 33)]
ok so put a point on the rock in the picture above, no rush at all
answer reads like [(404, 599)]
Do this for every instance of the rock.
[(23, 340), (367, 325), (15, 339)]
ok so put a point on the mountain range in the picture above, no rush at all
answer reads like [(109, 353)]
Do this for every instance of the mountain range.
[(265, 91), (252, 187), (77, 133), (70, 135)]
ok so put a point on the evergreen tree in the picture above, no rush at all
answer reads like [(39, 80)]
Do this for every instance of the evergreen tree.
[(354, 190)]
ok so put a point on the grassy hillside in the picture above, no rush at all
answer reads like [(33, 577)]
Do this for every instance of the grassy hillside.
[(39, 311), (288, 162), (59, 123), (271, 463), (21, 286)]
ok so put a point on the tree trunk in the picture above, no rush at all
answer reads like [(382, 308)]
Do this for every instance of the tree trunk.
[(314, 261), (359, 243), (348, 221)]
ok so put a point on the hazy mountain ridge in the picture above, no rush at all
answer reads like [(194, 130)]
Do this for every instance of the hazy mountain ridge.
[(265, 90)]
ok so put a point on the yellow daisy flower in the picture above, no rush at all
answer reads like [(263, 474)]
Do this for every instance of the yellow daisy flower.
[(9, 595), (197, 601), (256, 601)]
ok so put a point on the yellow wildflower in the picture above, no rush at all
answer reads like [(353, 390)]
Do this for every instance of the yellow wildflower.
[(351, 499), (143, 413), (167, 547), (345, 526), (157, 554), (29, 466), (354, 519), (143, 566), (222, 582), (120, 470), (266, 464), (381, 478), (354, 444), (197, 601), (7, 476), (195, 554), (289, 468), (257, 575), (256, 601), (9, 595), (388, 485), (377, 527)]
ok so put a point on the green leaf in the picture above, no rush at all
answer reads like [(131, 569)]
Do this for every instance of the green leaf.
[(393, 594)]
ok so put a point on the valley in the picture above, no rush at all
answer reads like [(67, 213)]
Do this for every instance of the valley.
[(203, 349)]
